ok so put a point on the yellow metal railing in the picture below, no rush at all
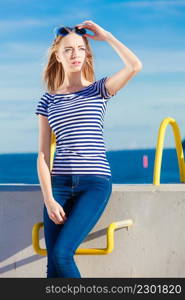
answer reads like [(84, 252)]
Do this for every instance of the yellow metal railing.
[(159, 150), (81, 251), (52, 148)]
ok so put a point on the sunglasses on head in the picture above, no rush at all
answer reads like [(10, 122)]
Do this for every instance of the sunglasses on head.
[(62, 31)]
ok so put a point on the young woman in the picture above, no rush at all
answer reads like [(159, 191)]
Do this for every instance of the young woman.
[(77, 189)]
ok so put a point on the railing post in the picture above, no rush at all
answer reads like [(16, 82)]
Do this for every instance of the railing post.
[(159, 150)]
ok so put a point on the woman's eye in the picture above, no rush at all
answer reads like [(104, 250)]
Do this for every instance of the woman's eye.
[(66, 50)]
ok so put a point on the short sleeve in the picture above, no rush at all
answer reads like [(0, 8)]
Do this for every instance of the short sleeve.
[(103, 90), (42, 105)]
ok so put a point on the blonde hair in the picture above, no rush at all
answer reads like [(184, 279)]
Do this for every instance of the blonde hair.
[(53, 73)]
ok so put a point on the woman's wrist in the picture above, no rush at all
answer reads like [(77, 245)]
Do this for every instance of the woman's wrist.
[(49, 200), (109, 36)]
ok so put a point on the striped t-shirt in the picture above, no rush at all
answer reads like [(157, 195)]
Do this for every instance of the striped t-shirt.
[(77, 120)]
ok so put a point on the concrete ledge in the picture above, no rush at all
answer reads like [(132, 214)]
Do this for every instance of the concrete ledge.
[(153, 247)]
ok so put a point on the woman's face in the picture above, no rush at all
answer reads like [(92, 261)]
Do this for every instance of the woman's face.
[(72, 49)]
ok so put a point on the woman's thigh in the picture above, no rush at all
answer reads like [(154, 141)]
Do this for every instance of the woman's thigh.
[(90, 197)]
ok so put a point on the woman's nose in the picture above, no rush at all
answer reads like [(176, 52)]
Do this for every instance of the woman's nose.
[(75, 53)]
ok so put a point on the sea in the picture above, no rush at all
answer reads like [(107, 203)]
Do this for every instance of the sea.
[(131, 166)]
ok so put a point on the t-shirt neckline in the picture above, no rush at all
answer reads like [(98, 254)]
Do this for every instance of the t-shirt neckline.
[(66, 94)]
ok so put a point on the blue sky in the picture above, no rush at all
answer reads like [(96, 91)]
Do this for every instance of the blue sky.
[(153, 30)]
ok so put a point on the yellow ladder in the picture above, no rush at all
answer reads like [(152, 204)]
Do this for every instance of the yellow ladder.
[(159, 150)]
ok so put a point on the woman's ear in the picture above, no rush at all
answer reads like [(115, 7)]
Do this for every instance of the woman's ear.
[(57, 58)]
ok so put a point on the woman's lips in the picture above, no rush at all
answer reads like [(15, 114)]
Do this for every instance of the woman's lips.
[(76, 63)]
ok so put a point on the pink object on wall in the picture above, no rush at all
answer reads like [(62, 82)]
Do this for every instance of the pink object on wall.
[(145, 161)]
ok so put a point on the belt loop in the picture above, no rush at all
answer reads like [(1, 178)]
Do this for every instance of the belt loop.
[(75, 180)]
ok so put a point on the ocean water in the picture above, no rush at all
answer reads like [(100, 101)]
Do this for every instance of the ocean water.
[(127, 167)]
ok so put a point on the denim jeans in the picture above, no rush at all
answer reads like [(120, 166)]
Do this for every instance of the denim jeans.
[(83, 198)]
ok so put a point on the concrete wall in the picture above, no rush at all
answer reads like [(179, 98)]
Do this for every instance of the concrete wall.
[(153, 247)]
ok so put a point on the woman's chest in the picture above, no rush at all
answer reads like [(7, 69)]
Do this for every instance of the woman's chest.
[(64, 115)]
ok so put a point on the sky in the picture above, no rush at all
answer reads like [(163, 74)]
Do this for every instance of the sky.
[(153, 30)]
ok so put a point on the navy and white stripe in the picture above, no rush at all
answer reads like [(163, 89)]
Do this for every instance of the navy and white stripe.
[(77, 120)]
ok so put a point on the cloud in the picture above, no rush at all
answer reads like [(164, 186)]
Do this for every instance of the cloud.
[(162, 61), (22, 51), (153, 60), (59, 18), (150, 4), (149, 9), (22, 23)]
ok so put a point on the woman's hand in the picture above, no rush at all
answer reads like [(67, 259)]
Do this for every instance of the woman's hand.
[(100, 34), (56, 212)]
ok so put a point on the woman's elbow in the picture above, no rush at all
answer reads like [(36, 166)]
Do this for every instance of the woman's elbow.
[(138, 67), (45, 155)]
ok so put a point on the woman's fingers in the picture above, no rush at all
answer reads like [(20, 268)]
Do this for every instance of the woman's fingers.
[(57, 218), (57, 214), (85, 24), (63, 214), (79, 25), (60, 216)]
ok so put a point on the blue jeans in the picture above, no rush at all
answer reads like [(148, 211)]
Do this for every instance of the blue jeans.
[(83, 198)]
